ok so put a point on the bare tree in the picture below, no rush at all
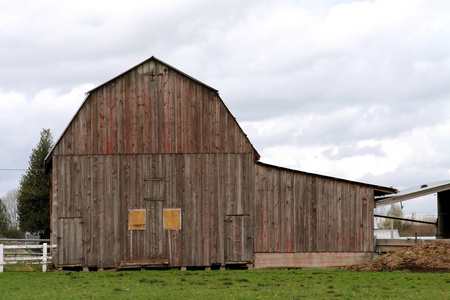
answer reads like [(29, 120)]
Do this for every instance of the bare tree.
[(10, 201)]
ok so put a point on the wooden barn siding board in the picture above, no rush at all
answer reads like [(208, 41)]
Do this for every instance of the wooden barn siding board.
[(115, 109), (345, 218), (349, 213), (107, 118), (365, 221), (75, 135), (87, 208), (353, 221), (116, 216), (199, 132), (200, 260), (194, 209), (177, 100), (107, 218), (153, 122), (102, 123), (313, 196), (82, 133), (180, 168), (259, 210), (186, 209), (293, 214), (307, 222), (221, 209), (134, 130), (145, 109), (92, 147), (167, 112), (322, 216), (99, 236), (212, 214), (128, 197), (190, 110), (259, 203), (171, 86), (141, 98), (359, 221), (240, 185), (288, 208), (273, 210), (267, 209), (203, 117), (205, 209), (332, 217)]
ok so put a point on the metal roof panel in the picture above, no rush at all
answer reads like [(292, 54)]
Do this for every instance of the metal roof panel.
[(413, 192)]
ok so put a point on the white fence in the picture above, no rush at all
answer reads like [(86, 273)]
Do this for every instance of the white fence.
[(24, 255)]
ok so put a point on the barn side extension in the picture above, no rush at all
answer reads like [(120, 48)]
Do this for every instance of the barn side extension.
[(154, 171)]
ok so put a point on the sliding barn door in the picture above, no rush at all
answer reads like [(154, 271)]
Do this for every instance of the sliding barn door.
[(69, 242), (238, 239)]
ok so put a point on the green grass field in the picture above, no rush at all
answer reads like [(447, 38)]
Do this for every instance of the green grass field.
[(230, 284)]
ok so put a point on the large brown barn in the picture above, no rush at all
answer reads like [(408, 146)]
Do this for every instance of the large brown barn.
[(154, 170)]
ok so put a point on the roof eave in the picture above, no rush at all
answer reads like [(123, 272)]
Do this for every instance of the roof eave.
[(395, 198), (383, 189)]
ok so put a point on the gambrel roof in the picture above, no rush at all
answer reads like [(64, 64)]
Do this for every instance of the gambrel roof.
[(152, 74)]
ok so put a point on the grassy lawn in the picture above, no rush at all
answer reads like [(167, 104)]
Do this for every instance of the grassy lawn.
[(252, 284)]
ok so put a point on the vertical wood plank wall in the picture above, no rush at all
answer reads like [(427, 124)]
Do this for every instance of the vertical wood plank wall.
[(193, 182), (301, 212)]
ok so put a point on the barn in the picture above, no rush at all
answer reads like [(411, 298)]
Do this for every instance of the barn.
[(154, 170)]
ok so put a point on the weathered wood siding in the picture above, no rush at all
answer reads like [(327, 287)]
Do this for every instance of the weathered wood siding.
[(140, 113), (99, 190), (151, 138), (154, 138), (301, 212)]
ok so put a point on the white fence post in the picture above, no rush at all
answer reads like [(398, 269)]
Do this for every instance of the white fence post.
[(44, 258), (1, 258)]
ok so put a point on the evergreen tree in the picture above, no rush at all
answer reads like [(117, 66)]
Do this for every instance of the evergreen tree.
[(33, 195), (4, 219)]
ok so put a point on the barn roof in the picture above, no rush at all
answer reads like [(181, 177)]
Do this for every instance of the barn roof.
[(48, 157)]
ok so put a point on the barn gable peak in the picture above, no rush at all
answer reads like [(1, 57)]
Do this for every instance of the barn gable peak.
[(152, 108), (161, 62)]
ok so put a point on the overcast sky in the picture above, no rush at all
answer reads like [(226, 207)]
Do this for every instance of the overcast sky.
[(352, 89)]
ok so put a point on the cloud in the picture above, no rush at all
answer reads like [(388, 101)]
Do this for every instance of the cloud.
[(21, 121), (353, 89)]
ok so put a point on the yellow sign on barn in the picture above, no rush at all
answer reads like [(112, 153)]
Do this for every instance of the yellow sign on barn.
[(137, 219), (172, 219)]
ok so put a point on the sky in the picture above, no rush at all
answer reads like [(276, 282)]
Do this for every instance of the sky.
[(351, 89)]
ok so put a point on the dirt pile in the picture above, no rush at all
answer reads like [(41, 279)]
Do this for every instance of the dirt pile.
[(426, 257)]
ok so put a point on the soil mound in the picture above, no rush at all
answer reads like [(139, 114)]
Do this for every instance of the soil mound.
[(426, 257)]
